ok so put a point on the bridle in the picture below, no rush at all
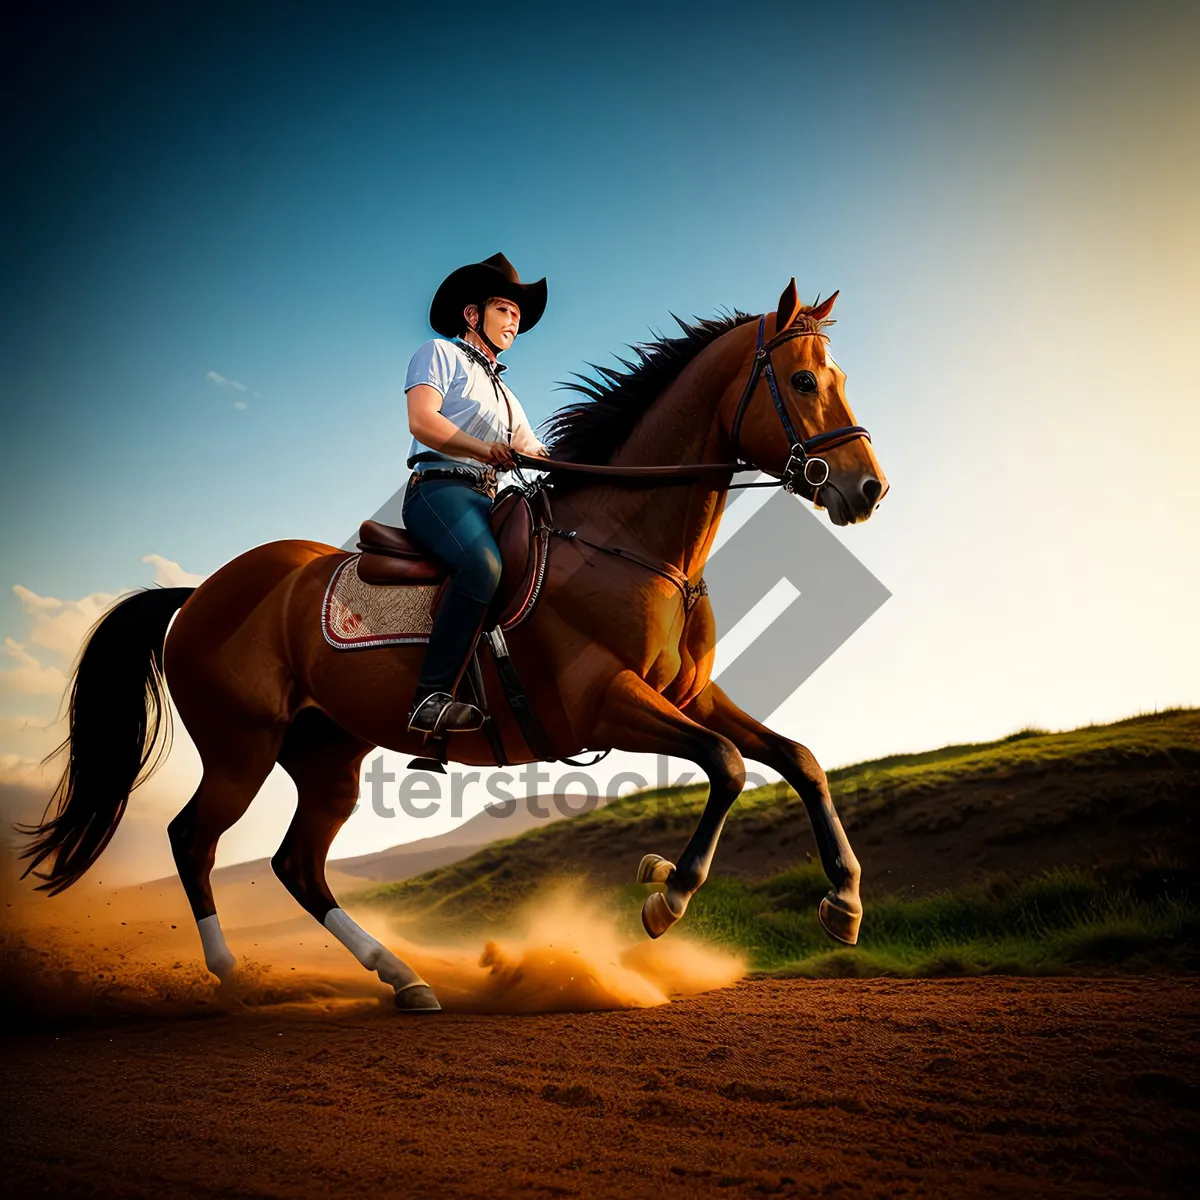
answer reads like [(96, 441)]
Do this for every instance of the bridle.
[(803, 466)]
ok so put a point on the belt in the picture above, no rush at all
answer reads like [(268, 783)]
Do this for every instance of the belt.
[(482, 482)]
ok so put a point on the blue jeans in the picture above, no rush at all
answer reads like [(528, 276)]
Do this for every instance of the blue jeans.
[(450, 520)]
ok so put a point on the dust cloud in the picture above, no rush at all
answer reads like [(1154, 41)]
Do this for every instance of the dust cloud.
[(568, 954), (96, 955)]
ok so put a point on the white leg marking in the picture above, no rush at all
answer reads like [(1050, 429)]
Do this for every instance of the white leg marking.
[(217, 956), (373, 954)]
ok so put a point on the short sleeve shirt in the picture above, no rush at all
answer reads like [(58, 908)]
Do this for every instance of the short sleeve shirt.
[(473, 397)]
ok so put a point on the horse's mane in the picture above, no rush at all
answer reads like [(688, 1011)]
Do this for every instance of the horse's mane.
[(592, 430)]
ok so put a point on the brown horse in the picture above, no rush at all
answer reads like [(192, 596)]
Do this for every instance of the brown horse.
[(612, 657)]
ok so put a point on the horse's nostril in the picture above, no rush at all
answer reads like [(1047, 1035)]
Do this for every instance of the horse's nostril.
[(872, 489)]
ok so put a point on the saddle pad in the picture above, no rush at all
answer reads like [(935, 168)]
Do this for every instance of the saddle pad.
[(359, 616)]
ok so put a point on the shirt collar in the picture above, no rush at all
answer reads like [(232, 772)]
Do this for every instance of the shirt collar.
[(496, 368)]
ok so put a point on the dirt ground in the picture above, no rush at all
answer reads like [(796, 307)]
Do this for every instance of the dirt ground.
[(935, 1088)]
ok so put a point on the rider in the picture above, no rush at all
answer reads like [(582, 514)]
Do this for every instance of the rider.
[(465, 424)]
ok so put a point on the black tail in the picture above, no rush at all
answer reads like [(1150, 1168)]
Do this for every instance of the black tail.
[(117, 712)]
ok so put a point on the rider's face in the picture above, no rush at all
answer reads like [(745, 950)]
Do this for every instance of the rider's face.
[(501, 320)]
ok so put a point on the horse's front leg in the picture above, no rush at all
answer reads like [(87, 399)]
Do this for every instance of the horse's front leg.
[(635, 717), (841, 910)]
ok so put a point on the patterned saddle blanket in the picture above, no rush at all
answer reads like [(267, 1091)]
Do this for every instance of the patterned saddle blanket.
[(382, 597), (358, 616)]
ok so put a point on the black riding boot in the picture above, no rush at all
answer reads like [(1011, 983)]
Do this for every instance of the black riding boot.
[(455, 629)]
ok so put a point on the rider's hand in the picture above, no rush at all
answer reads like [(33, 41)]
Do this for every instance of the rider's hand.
[(500, 455)]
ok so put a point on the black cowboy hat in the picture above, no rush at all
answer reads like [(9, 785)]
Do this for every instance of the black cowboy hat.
[(481, 281)]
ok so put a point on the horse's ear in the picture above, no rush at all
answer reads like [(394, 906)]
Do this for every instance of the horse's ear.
[(823, 309), (789, 306)]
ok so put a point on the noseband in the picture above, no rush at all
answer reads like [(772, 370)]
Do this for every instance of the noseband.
[(803, 467)]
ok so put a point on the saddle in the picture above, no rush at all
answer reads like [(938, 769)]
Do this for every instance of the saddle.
[(391, 558)]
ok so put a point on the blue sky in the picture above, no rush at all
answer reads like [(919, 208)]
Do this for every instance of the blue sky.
[(1005, 198), (276, 202)]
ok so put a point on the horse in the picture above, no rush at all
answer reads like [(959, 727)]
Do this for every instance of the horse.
[(623, 654)]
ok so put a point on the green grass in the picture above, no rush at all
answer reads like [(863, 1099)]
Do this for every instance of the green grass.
[(1058, 923), (1061, 922), (1166, 738)]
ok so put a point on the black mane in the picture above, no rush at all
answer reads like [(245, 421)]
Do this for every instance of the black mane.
[(592, 430)]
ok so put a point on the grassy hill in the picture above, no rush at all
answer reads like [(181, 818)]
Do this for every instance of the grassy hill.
[(1042, 851)]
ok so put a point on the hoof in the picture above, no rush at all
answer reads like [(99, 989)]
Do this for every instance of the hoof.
[(657, 916), (417, 998), (839, 920), (224, 968), (654, 869)]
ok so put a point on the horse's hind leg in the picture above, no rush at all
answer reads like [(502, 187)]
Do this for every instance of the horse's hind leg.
[(841, 911), (636, 717), (324, 761), (231, 780)]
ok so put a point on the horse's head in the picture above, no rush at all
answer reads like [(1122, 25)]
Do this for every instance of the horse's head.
[(798, 397)]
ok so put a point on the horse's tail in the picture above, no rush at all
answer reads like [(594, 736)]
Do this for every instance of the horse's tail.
[(116, 714)]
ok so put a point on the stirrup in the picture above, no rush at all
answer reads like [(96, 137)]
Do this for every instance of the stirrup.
[(441, 713)]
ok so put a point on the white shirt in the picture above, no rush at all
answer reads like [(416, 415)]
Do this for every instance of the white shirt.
[(474, 398)]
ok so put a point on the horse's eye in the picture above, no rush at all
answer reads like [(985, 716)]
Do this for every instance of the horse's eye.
[(804, 381)]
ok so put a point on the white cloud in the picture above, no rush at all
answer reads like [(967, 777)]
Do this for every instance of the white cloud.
[(225, 382), (171, 574), (29, 677), (60, 625)]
